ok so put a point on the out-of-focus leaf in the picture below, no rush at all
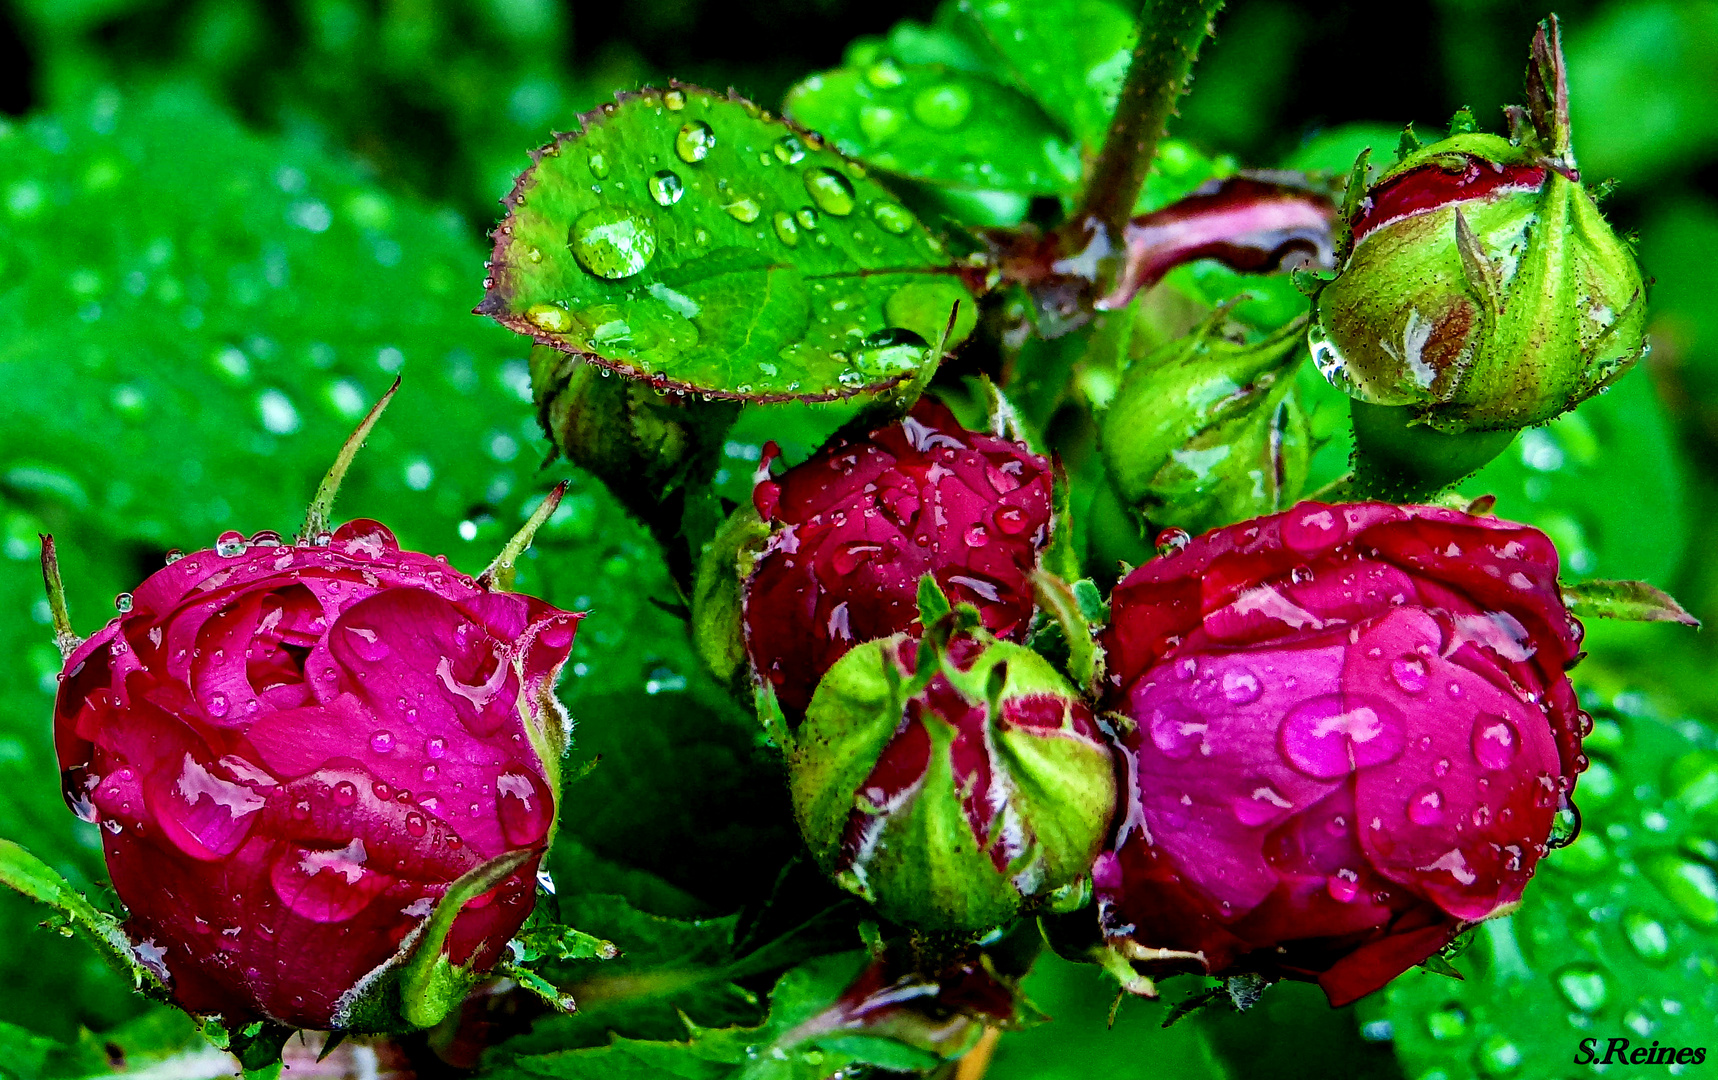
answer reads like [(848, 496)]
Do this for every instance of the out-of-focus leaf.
[(1077, 1045), (194, 318), (1604, 482), (1068, 55), (944, 127), (1296, 1012), (1617, 936), (687, 238), (1642, 79)]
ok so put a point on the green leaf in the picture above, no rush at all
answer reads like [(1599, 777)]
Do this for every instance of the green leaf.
[(1616, 936), (1069, 55), (75, 914), (1574, 477), (1635, 601), (196, 317), (687, 238), (944, 127), (1077, 1044)]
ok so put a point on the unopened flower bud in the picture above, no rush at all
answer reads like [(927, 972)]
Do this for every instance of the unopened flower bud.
[(1483, 290), (952, 798), (1206, 431)]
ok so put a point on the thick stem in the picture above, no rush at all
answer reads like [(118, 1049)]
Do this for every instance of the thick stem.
[(1170, 33)]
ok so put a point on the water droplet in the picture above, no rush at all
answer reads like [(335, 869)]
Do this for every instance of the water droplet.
[(891, 351), (415, 824), (1583, 987), (1498, 1056), (832, 192), (1172, 541), (599, 166), (943, 107), (230, 544), (976, 536), (382, 742), (1409, 673), (786, 228), (849, 557), (789, 150), (1343, 886), (526, 807), (430, 772), (1176, 730), (666, 187), (694, 142), (1690, 885), (1261, 804), (1313, 531), (122, 602), (1565, 826), (1011, 520), (879, 122), (613, 242), (1495, 742), (1426, 806), (345, 793), (744, 210), (674, 99), (218, 705), (1646, 936), (892, 217), (807, 218), (174, 556), (885, 74), (1241, 687), (1327, 737), (1449, 1022)]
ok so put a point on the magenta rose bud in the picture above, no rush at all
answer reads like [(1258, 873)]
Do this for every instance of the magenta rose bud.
[(293, 751), (859, 523), (1351, 732)]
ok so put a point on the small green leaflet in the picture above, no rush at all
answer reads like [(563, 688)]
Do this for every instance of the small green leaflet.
[(1618, 934), (693, 240)]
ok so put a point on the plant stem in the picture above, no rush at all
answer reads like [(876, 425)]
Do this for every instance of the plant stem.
[(1170, 33)]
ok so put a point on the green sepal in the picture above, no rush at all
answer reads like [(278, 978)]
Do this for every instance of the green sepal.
[(718, 596), (1207, 431), (1632, 601), (1085, 659), (74, 914), (419, 986), (925, 868)]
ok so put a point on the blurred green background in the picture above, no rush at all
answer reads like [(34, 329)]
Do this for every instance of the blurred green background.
[(226, 225)]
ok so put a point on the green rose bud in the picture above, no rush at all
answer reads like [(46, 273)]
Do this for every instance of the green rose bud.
[(951, 797), (1206, 431), (1482, 290)]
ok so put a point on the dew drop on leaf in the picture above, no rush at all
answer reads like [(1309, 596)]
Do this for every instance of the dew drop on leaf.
[(892, 218), (832, 192), (666, 188), (694, 142), (674, 99), (786, 228), (599, 166), (613, 242), (789, 150), (943, 107), (743, 210)]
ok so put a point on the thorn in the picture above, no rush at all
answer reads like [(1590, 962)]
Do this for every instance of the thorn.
[(498, 576), (316, 516), (64, 637)]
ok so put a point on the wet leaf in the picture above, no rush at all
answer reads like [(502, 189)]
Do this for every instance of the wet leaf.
[(944, 127), (686, 238), (1617, 934)]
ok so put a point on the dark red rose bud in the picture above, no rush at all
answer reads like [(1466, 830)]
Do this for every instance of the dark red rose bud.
[(293, 750), (859, 523), (1352, 731)]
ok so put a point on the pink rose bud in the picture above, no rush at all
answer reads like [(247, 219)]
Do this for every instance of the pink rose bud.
[(293, 750), (859, 523), (1351, 733)]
